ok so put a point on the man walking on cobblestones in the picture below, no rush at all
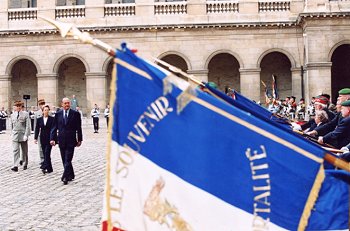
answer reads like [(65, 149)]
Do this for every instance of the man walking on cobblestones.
[(20, 122), (38, 114), (67, 132)]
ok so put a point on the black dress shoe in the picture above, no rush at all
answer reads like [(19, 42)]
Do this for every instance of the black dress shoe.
[(44, 171), (15, 169), (24, 167), (65, 181), (21, 162)]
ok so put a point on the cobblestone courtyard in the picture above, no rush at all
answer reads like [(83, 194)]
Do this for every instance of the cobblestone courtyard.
[(30, 200)]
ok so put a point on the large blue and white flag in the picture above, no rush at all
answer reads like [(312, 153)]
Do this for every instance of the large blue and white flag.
[(180, 159)]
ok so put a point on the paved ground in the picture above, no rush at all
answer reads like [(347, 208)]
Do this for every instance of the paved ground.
[(30, 200)]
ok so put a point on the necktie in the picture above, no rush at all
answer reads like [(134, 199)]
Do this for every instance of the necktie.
[(65, 116), (17, 115)]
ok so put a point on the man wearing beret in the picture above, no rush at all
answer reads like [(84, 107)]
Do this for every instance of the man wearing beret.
[(37, 115), (341, 135), (344, 94), (20, 122)]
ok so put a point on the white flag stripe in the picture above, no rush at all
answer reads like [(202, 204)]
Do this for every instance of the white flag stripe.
[(194, 205)]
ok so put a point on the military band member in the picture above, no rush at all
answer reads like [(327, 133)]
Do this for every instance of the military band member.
[(20, 122), (106, 113), (95, 114), (3, 116), (31, 116)]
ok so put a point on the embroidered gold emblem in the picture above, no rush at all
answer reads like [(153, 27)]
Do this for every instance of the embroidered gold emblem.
[(161, 211)]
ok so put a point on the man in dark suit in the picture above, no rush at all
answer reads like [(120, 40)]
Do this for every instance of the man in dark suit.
[(67, 132)]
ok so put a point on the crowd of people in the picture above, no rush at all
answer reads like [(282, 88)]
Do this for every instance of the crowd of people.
[(50, 126), (328, 124)]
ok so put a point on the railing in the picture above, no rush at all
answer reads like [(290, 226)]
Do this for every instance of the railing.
[(22, 14), (222, 7), (170, 7), (269, 6), (122, 9), (70, 11)]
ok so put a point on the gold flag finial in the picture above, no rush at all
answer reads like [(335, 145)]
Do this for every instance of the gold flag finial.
[(63, 27), (69, 29)]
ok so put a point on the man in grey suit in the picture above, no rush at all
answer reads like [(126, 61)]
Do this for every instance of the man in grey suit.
[(20, 122), (37, 115)]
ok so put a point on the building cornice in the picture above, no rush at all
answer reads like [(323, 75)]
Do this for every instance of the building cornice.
[(193, 26), (317, 15), (156, 28)]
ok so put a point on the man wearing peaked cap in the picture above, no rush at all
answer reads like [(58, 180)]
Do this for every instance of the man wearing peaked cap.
[(38, 114), (17, 103), (341, 135), (41, 102), (20, 132)]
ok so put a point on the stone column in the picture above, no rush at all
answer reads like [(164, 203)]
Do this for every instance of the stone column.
[(250, 83), (5, 91), (48, 88), (296, 83), (201, 75), (3, 14), (318, 79), (96, 89), (46, 8)]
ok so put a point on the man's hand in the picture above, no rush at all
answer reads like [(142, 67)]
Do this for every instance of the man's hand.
[(25, 138), (320, 140), (312, 133), (35, 141), (53, 143), (79, 143)]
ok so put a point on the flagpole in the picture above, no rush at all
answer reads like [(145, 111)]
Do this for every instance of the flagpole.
[(70, 30), (179, 71)]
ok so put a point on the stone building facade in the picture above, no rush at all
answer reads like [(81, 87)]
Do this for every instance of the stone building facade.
[(237, 44)]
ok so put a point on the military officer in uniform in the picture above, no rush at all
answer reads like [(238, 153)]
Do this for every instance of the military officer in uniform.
[(38, 114), (20, 122), (340, 137)]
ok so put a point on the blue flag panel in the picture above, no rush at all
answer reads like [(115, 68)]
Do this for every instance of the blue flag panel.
[(228, 152)]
